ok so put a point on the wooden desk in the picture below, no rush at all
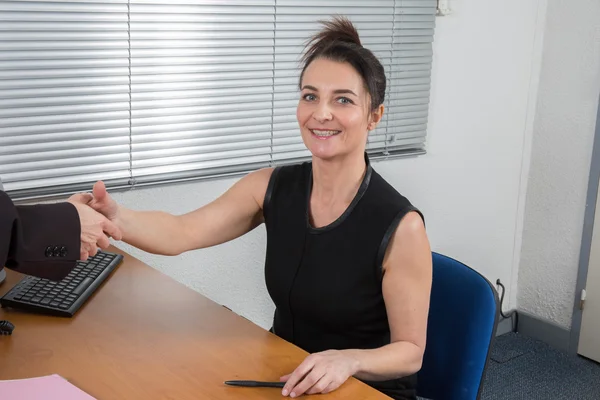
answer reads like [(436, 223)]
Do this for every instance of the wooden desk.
[(142, 335)]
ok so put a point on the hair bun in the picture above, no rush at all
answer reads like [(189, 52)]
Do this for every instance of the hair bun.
[(338, 29)]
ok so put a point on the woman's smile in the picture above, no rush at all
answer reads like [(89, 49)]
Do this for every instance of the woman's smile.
[(324, 134)]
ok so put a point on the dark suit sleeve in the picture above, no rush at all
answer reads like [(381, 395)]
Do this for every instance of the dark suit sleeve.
[(41, 240)]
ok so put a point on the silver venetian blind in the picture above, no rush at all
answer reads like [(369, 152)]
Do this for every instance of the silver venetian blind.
[(147, 91), (410, 78), (64, 94), (202, 83), (215, 83)]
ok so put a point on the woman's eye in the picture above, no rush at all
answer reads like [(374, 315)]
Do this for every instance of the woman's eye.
[(309, 97), (344, 100)]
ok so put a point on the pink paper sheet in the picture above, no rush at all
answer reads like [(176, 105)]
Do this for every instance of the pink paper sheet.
[(51, 387)]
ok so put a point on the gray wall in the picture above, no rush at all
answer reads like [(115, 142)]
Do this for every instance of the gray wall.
[(560, 160)]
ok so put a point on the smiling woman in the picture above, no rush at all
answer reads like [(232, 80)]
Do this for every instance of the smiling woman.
[(341, 78), (334, 88), (348, 262)]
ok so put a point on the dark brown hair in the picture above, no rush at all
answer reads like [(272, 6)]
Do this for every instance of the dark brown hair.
[(339, 41)]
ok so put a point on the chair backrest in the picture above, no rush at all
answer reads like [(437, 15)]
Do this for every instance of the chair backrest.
[(463, 317)]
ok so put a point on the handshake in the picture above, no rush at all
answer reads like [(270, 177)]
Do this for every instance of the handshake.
[(98, 215)]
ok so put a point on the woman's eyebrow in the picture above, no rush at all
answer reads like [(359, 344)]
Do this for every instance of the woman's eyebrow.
[(337, 91), (340, 91)]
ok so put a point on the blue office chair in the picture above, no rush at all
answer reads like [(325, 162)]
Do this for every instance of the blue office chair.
[(463, 317)]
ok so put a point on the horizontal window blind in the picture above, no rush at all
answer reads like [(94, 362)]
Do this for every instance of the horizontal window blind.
[(150, 91), (410, 76), (64, 95), (202, 82)]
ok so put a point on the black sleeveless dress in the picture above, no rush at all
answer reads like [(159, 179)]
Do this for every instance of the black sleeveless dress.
[(326, 282)]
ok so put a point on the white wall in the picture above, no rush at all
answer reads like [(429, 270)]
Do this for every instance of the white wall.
[(468, 185), (560, 159)]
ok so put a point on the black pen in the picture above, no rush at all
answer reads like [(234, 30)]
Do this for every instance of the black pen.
[(255, 384)]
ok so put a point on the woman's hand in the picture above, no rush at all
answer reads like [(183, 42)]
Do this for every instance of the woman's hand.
[(320, 373), (104, 203)]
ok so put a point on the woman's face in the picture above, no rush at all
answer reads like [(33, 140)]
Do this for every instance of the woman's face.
[(334, 111)]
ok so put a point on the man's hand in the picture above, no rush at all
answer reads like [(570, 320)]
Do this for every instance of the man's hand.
[(96, 229)]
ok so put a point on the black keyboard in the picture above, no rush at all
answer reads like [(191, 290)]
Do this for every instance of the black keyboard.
[(65, 297)]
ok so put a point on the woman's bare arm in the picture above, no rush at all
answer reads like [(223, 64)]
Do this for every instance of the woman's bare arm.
[(234, 213)]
